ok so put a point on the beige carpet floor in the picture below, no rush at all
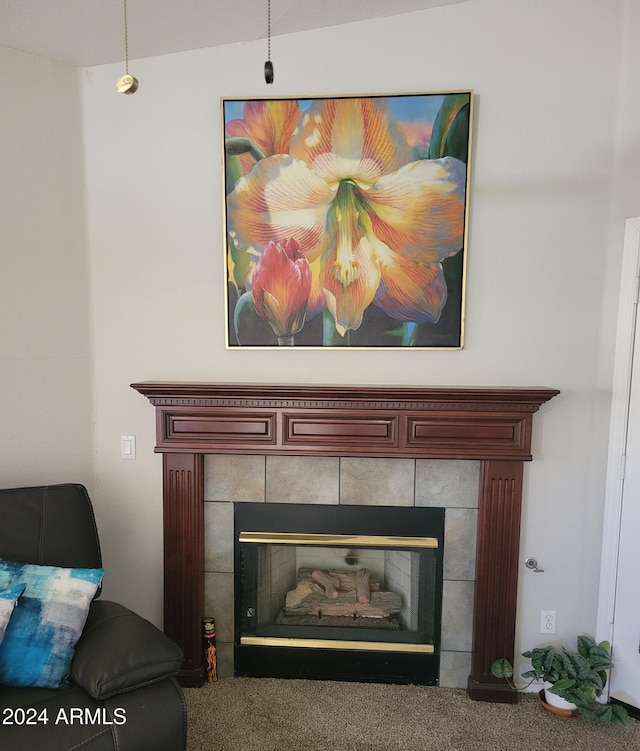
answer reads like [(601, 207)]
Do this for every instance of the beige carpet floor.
[(250, 714)]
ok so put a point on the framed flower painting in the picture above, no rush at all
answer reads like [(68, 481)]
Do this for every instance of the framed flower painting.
[(346, 220)]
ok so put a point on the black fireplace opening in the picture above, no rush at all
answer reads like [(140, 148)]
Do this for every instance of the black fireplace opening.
[(338, 592)]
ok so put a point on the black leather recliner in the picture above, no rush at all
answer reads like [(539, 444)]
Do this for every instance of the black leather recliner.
[(121, 690)]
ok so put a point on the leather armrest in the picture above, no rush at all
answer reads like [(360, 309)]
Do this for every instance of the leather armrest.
[(121, 651)]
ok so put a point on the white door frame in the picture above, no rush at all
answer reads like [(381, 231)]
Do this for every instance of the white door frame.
[(623, 367)]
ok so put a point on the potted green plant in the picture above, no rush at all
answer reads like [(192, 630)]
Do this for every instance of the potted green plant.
[(577, 677)]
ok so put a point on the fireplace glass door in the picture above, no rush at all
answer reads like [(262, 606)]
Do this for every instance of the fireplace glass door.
[(356, 587)]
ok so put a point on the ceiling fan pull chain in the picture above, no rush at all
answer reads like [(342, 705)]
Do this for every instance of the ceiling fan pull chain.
[(126, 39), (126, 84), (268, 66)]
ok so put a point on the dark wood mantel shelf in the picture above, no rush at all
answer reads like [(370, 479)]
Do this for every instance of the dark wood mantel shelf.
[(492, 425)]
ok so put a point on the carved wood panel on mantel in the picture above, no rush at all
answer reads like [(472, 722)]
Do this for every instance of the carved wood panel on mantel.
[(490, 425)]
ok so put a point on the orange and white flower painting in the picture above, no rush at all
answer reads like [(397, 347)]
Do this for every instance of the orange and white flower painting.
[(360, 204)]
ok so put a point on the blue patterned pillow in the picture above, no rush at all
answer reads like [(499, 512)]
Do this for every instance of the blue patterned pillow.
[(48, 620), (8, 599)]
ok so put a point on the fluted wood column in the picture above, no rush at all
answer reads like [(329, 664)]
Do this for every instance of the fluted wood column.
[(183, 492), (494, 619)]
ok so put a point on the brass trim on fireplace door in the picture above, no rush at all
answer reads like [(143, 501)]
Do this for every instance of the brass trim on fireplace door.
[(366, 646), (378, 541)]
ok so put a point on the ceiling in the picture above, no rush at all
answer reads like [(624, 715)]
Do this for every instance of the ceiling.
[(84, 33)]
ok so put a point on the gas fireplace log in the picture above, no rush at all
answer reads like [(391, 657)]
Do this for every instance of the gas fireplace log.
[(348, 580), (304, 601), (326, 582), (363, 593), (343, 581), (296, 598), (382, 605)]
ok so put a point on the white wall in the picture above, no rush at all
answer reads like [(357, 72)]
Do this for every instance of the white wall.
[(45, 363), (544, 251)]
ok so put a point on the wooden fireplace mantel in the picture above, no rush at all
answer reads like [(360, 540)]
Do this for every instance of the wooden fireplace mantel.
[(492, 425)]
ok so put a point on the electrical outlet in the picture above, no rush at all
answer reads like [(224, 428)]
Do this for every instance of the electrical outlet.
[(547, 621)]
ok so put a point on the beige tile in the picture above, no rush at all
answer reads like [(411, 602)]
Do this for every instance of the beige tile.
[(447, 482), (234, 478), (455, 668), (377, 482), (457, 616), (225, 659), (218, 604), (218, 537), (460, 543), (302, 479)]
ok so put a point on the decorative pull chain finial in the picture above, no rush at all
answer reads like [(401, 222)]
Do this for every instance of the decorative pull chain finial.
[(126, 84), (268, 66)]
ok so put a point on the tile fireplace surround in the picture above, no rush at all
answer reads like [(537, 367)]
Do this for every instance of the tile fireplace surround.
[(491, 426)]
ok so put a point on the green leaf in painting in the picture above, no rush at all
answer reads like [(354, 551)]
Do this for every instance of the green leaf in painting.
[(330, 335), (238, 146), (238, 264), (250, 329), (232, 172), (452, 106), (233, 148), (457, 141), (405, 333)]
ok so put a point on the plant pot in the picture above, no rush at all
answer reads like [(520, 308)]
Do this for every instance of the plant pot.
[(556, 704)]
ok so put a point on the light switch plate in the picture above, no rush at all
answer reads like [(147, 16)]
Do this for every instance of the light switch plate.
[(127, 447)]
